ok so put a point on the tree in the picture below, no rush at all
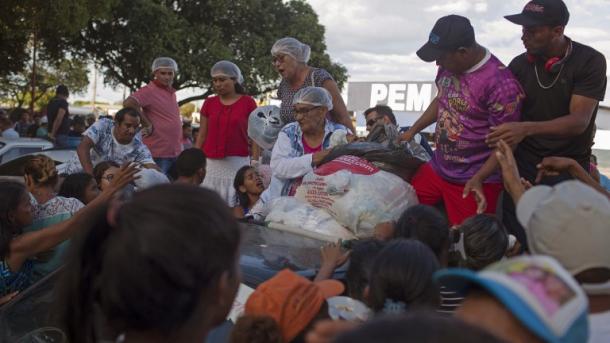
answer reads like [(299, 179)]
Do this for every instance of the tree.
[(197, 34), (46, 23), (15, 87)]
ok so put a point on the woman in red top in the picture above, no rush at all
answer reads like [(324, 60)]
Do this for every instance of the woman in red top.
[(223, 132)]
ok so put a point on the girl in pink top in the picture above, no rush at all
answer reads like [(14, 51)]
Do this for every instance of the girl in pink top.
[(223, 131)]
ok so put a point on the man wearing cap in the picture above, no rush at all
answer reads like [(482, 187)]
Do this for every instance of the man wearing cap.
[(570, 223), (523, 299), (563, 81), (162, 131), (475, 91)]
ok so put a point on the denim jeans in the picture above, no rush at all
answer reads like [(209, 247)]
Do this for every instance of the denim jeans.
[(165, 163)]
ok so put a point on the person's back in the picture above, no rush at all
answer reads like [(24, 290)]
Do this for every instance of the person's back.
[(161, 267), (58, 116)]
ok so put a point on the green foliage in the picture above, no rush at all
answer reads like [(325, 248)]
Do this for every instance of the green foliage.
[(50, 23), (15, 87), (197, 34)]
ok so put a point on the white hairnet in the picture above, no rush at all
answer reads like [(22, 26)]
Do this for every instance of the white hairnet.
[(228, 69), (316, 96), (164, 62), (292, 47)]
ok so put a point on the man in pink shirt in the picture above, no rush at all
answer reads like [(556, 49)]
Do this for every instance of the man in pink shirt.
[(162, 126)]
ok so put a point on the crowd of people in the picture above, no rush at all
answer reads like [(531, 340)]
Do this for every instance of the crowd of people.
[(507, 244)]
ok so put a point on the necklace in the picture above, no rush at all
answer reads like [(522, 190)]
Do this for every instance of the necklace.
[(552, 83), (568, 52)]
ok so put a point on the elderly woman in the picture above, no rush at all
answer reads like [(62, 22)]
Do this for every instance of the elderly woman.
[(290, 58), (223, 131), (301, 145)]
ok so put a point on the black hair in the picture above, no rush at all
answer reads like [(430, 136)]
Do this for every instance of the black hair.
[(120, 115), (426, 224), (100, 169), (153, 268), (485, 242), (242, 197), (383, 110), (239, 88), (78, 120), (256, 329), (75, 186), (189, 161), (361, 260), (417, 327), (11, 193), (16, 114), (402, 272), (62, 90)]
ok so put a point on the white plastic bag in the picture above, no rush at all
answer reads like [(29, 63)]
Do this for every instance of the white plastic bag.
[(356, 193), (264, 125), (148, 178), (290, 214)]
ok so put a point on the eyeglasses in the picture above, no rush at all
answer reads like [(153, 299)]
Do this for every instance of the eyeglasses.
[(278, 59), (304, 110)]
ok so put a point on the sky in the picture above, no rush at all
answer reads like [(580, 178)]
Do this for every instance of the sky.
[(377, 40)]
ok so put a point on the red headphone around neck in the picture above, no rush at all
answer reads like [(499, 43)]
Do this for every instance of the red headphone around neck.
[(553, 64)]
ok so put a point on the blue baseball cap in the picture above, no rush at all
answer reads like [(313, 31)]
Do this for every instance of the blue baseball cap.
[(537, 290)]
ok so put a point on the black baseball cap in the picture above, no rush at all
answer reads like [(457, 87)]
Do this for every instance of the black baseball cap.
[(542, 12), (448, 34)]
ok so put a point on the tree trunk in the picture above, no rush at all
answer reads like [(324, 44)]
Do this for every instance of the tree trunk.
[(33, 90), (196, 97)]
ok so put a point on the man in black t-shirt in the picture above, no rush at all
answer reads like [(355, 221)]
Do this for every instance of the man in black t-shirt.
[(59, 117), (563, 81)]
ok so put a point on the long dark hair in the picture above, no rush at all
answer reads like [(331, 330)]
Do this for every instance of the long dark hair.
[(11, 194), (75, 186), (361, 261), (151, 270), (242, 197), (402, 272), (485, 241)]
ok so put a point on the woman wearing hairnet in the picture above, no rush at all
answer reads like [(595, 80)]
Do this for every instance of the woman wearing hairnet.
[(301, 145), (223, 131), (290, 58)]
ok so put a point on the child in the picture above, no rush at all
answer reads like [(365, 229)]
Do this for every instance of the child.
[(248, 187)]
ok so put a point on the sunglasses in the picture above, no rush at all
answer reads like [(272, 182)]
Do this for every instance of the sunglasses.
[(372, 122)]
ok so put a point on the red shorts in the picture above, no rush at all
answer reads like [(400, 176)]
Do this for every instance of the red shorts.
[(432, 189)]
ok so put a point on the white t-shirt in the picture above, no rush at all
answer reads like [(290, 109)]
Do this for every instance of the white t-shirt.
[(10, 133), (599, 327), (107, 148)]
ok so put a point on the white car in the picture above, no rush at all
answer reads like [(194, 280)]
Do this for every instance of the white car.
[(14, 152)]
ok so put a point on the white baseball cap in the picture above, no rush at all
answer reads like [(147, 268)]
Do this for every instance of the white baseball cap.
[(570, 222)]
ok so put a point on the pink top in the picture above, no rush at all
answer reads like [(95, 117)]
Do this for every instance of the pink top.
[(310, 150), (161, 108)]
